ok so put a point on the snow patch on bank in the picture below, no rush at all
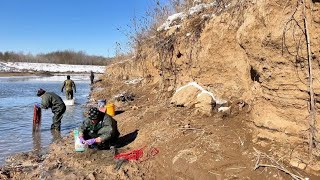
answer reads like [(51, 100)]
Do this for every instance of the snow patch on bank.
[(32, 67), (175, 20)]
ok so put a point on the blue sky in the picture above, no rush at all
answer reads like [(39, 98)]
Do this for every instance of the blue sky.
[(41, 26)]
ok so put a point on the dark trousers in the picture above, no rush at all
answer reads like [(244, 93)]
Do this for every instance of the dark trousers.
[(56, 119), (69, 94)]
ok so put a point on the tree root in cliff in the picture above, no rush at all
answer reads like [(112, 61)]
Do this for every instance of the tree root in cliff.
[(277, 165)]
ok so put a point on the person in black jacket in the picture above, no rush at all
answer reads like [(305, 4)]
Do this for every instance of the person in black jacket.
[(91, 77)]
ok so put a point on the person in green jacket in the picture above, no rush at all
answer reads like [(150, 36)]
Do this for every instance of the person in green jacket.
[(53, 101), (69, 85), (99, 130)]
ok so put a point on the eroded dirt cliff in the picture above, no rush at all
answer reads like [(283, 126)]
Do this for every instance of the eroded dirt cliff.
[(253, 51)]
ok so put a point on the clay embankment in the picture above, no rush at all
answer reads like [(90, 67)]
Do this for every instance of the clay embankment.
[(246, 52), (191, 145), (235, 54)]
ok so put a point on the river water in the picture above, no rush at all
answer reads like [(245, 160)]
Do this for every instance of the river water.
[(17, 98)]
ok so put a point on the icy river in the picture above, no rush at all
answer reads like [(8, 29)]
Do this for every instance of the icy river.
[(17, 97)]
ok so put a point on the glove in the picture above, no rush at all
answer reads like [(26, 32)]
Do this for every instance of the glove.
[(82, 141), (90, 141), (37, 105)]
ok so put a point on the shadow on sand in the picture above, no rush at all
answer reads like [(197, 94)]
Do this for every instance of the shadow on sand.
[(126, 139), (119, 112)]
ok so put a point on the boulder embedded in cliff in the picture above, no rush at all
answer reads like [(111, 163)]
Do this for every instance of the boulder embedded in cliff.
[(185, 96), (193, 94), (205, 103)]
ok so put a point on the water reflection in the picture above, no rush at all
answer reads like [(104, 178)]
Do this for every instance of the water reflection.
[(36, 127), (56, 135), (36, 141), (17, 99)]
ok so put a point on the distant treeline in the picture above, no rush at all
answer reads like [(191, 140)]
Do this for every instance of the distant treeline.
[(57, 57)]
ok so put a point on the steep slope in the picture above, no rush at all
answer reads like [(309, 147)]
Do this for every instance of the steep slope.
[(250, 51), (241, 51)]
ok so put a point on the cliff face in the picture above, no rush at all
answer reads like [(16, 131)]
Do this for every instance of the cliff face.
[(277, 55), (254, 51)]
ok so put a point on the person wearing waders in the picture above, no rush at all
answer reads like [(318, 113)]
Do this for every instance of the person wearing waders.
[(91, 77), (53, 101), (69, 85), (99, 131)]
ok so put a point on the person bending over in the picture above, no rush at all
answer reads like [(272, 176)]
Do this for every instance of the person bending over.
[(99, 130), (53, 101)]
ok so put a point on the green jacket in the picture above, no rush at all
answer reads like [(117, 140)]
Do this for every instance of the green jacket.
[(105, 129), (69, 84), (53, 101)]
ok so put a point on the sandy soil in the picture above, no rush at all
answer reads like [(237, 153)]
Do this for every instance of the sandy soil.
[(242, 59), (191, 146)]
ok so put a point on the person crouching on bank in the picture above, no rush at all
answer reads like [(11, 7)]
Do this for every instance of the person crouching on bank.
[(99, 130)]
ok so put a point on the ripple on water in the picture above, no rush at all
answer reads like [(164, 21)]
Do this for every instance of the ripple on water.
[(17, 97)]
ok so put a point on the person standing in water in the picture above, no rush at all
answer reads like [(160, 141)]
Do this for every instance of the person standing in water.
[(53, 101), (69, 85), (91, 77)]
